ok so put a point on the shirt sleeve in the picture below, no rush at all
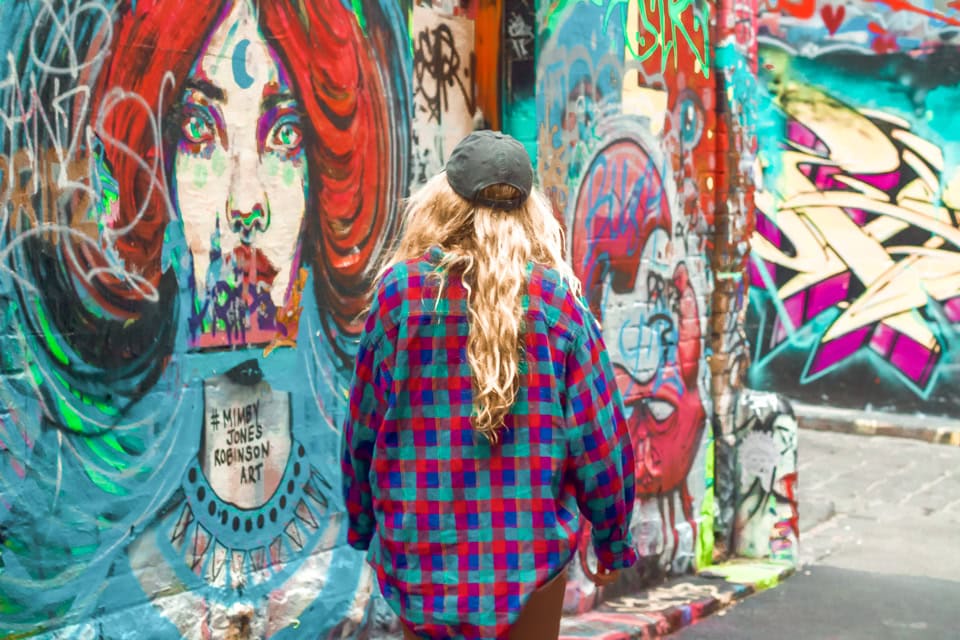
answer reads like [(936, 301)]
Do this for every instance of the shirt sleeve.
[(368, 401), (600, 447)]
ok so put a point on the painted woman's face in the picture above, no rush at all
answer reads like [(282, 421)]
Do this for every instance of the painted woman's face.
[(240, 175)]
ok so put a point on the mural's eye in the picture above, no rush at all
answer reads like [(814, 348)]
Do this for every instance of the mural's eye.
[(197, 130), (287, 136), (659, 409)]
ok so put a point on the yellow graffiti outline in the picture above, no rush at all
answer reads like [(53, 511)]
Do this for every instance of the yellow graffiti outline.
[(898, 280)]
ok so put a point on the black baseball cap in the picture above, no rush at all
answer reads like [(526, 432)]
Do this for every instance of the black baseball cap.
[(486, 158)]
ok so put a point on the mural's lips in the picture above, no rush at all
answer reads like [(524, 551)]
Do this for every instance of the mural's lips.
[(255, 264)]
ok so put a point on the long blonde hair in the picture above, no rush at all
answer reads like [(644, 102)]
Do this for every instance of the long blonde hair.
[(491, 250)]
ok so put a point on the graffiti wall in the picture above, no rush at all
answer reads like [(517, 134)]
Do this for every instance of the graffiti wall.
[(855, 299), (767, 523), (191, 194), (519, 104), (625, 105), (444, 81), (737, 126)]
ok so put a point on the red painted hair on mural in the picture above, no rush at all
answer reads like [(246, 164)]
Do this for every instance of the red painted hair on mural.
[(332, 70)]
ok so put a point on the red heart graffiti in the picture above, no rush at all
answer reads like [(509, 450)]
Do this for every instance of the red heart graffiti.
[(832, 17)]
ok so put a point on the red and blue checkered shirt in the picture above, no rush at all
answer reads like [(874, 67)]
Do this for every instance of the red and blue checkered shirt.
[(459, 531)]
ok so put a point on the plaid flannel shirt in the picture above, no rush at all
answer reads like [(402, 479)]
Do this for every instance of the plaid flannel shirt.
[(460, 532)]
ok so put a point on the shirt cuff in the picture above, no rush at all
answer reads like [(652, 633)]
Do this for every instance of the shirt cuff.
[(617, 555), (359, 541)]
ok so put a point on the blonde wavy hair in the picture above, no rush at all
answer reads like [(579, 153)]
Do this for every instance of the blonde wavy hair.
[(490, 249)]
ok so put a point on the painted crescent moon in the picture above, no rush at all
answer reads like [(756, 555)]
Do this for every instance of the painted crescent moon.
[(240, 75)]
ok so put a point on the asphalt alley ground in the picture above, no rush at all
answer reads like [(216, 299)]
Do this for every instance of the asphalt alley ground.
[(880, 543)]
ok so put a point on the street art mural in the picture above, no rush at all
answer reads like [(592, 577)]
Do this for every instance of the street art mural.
[(855, 298), (192, 194), (444, 81), (625, 155), (519, 75), (812, 27), (735, 58), (767, 523), (622, 242)]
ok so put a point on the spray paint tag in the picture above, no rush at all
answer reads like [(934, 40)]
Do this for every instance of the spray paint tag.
[(246, 440)]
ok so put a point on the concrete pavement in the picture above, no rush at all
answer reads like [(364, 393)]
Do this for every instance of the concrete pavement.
[(880, 525), (827, 603), (880, 504)]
